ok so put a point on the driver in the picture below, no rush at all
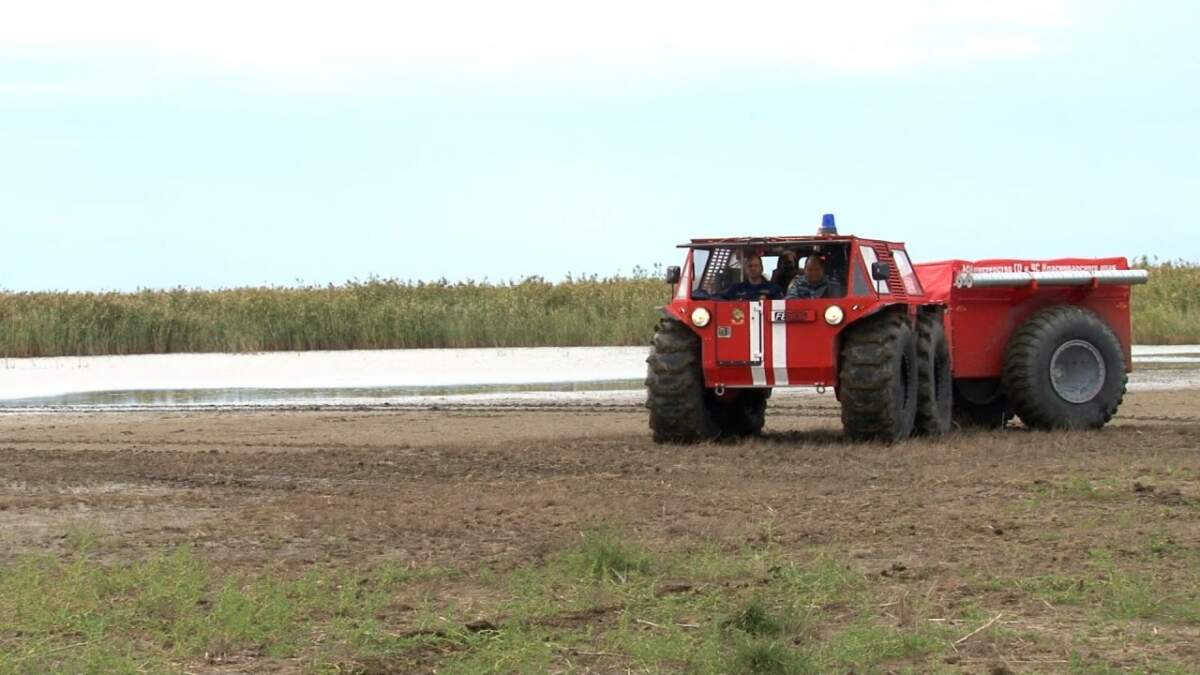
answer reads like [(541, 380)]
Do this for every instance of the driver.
[(814, 283), (756, 286)]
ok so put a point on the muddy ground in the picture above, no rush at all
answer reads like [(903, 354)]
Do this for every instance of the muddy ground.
[(504, 487)]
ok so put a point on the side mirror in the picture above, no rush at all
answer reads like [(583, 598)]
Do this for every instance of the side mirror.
[(880, 271), (673, 274)]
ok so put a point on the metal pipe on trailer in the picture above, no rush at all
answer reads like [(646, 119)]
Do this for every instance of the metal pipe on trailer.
[(1051, 278)]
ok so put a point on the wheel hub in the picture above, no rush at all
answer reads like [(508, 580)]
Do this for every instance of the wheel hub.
[(1077, 371)]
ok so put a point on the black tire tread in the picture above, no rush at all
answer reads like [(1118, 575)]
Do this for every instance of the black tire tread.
[(675, 394), (934, 413), (866, 381)]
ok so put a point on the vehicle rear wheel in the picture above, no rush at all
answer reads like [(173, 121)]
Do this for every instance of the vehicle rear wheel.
[(744, 416), (680, 406), (980, 403), (1064, 369), (878, 379), (934, 384)]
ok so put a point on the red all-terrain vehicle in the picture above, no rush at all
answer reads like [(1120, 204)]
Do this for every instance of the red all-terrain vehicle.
[(906, 348)]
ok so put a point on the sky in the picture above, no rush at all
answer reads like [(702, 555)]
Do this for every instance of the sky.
[(146, 144)]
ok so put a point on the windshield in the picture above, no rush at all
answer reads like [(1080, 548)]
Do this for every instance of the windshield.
[(699, 262), (912, 285), (802, 271)]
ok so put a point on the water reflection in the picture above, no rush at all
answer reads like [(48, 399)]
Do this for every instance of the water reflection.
[(321, 396)]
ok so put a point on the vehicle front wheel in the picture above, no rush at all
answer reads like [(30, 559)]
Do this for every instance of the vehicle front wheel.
[(680, 407), (878, 379), (934, 384)]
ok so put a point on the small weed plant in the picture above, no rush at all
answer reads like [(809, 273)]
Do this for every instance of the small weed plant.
[(605, 555)]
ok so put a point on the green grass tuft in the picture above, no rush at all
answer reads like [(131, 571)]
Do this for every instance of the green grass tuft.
[(605, 555), (865, 643), (756, 656), (756, 619)]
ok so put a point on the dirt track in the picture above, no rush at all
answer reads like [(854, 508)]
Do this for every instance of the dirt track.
[(468, 487), (459, 486)]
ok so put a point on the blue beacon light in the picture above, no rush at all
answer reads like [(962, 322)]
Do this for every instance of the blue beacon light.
[(828, 227)]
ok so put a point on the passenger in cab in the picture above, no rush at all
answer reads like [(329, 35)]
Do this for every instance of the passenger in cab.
[(785, 269), (756, 286), (814, 283)]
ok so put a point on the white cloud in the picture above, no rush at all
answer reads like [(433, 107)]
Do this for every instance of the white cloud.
[(299, 38), (1003, 45), (32, 89)]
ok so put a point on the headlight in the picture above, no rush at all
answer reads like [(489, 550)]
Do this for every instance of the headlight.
[(700, 317), (834, 315)]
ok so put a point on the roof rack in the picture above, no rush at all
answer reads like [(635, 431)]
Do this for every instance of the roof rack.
[(765, 241)]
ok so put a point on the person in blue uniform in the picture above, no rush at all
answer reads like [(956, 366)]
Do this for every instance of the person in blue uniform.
[(814, 283), (756, 286)]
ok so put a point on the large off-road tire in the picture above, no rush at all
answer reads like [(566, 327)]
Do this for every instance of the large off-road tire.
[(934, 382), (745, 414), (680, 406), (878, 379), (980, 403), (1064, 369)]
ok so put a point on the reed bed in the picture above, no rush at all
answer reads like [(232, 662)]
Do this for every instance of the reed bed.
[(1167, 309), (392, 314), (372, 314)]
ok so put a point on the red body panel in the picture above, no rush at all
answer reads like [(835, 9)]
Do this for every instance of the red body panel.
[(796, 346), (778, 343), (980, 321), (735, 320)]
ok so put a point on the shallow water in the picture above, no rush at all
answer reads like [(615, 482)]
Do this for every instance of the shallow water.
[(354, 369), (234, 397), (381, 378)]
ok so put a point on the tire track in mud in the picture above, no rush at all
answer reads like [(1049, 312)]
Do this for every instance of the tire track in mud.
[(165, 443), (570, 407), (565, 407), (1159, 418), (474, 485), (276, 482)]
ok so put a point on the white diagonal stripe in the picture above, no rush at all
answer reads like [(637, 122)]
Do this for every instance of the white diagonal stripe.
[(779, 344), (758, 373)]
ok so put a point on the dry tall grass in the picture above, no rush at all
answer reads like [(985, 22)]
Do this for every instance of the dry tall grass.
[(375, 314), (390, 314), (1167, 309)]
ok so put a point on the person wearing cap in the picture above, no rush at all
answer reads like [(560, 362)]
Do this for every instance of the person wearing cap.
[(756, 286), (814, 283)]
